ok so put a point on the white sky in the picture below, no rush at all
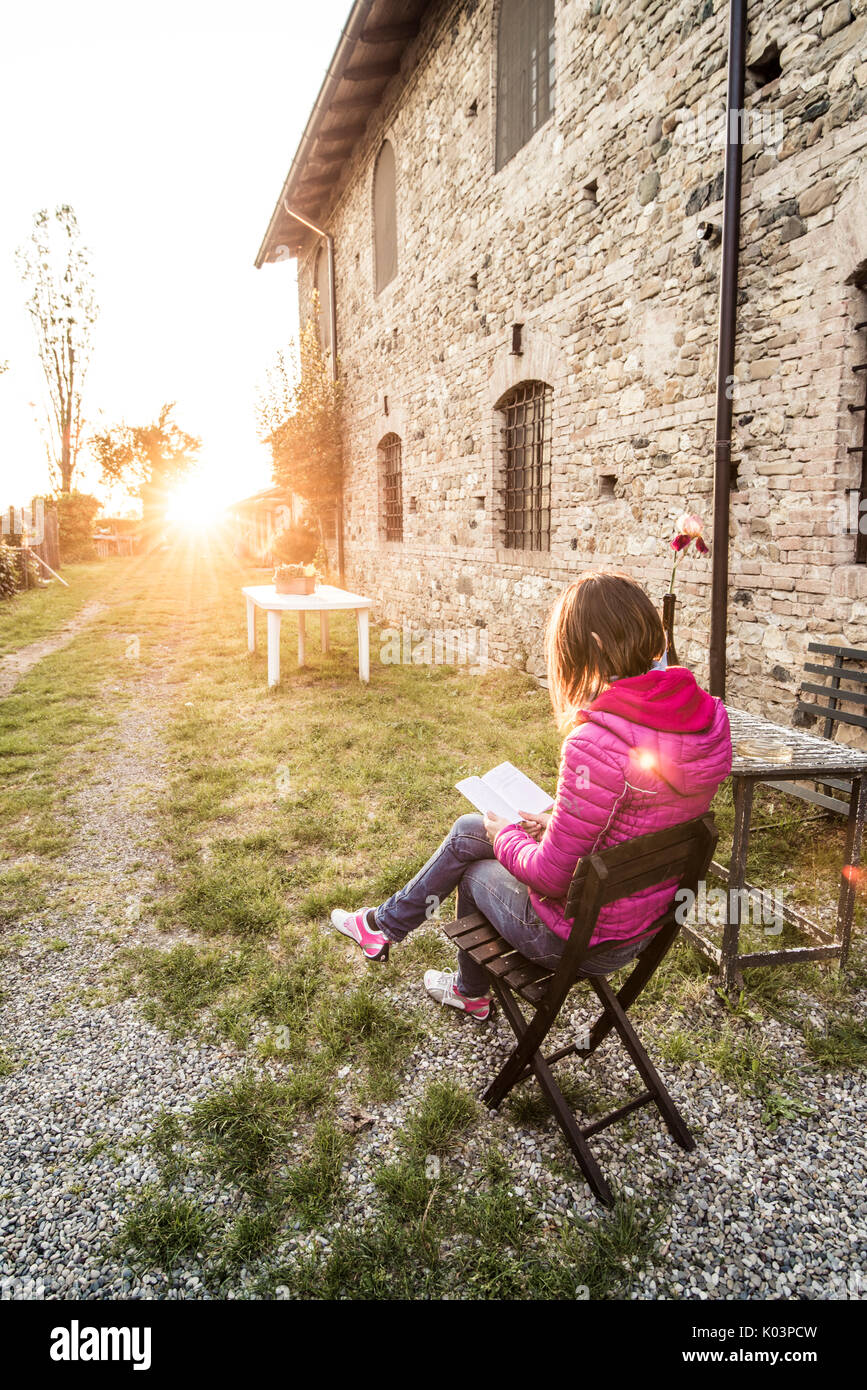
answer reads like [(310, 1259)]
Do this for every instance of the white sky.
[(169, 127)]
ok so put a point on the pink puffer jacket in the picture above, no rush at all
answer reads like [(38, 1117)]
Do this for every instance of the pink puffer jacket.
[(649, 752)]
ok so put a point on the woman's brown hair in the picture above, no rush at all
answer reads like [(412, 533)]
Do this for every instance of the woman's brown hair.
[(617, 611)]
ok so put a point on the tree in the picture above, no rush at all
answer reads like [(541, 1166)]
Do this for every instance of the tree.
[(147, 459), (56, 267), (300, 417)]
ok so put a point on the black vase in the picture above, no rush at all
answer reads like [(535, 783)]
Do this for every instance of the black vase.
[(669, 602)]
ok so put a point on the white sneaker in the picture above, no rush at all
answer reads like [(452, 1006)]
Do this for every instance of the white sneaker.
[(354, 925), (440, 985)]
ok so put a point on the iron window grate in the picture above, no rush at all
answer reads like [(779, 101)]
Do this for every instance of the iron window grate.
[(392, 490), (527, 467)]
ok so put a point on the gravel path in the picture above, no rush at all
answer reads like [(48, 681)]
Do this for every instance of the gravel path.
[(753, 1213), (16, 664)]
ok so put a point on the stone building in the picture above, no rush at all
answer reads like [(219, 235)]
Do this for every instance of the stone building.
[(525, 198)]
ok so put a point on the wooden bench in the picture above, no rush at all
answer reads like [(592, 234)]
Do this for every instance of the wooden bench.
[(841, 705)]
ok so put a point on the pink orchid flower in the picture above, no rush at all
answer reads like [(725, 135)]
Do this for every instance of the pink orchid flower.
[(688, 528)]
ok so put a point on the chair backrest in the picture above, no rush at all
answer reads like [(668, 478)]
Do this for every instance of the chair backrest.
[(682, 854), (844, 706)]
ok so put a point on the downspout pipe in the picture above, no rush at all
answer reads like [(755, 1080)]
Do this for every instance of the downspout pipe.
[(349, 37), (726, 344), (332, 323)]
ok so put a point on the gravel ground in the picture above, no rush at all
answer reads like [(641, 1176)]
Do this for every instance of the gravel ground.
[(753, 1214)]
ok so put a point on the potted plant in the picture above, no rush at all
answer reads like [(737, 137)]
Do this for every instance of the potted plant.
[(295, 579), (688, 528)]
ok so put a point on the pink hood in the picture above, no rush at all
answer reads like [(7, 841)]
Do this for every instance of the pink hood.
[(649, 752)]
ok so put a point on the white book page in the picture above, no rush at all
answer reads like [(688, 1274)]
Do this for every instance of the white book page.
[(484, 798), (517, 790)]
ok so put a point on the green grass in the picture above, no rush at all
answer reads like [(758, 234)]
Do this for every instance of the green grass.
[(313, 1185), (163, 1229), (840, 1045), (244, 1128), (39, 613), (445, 1113), (430, 1242)]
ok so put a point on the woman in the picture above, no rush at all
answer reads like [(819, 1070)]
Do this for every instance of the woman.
[(645, 748)]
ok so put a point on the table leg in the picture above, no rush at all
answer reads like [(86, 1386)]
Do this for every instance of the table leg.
[(251, 625), (302, 632), (273, 647), (848, 882), (743, 799), (323, 629), (363, 619)]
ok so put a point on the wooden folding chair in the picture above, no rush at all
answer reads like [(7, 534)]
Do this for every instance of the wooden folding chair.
[(682, 853)]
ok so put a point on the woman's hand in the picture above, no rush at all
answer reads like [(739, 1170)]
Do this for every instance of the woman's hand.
[(535, 825), (494, 824)]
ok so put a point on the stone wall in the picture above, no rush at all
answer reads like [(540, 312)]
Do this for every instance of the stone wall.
[(588, 237)]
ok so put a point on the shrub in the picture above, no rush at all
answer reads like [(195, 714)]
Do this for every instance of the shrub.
[(9, 571), (75, 514), (296, 545)]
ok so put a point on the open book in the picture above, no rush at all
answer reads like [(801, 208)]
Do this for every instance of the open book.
[(506, 792)]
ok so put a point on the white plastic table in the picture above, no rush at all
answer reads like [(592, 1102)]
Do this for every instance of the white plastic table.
[(324, 600)]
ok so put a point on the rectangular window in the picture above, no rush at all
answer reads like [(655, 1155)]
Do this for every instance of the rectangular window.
[(527, 467), (525, 73)]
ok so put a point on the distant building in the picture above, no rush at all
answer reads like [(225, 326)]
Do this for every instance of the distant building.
[(258, 519), (524, 198)]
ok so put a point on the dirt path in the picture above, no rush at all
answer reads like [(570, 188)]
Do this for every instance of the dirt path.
[(17, 664)]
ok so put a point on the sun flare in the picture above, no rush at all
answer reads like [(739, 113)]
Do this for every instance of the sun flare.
[(193, 504)]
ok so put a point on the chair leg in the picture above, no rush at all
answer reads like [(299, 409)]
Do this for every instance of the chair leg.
[(530, 1037), (674, 1121), (557, 1101), (648, 962)]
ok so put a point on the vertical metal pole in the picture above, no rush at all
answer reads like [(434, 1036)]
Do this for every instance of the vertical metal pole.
[(329, 243), (726, 345)]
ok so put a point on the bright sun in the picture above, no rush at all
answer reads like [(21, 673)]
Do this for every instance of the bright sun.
[(193, 504)]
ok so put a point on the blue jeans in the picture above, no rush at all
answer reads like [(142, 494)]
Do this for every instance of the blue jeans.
[(465, 860)]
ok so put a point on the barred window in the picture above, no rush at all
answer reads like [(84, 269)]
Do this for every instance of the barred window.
[(385, 216), (391, 489), (525, 73), (526, 472)]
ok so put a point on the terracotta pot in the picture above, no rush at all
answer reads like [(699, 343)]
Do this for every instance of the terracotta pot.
[(297, 584), (669, 603)]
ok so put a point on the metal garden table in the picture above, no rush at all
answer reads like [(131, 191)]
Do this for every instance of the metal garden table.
[(804, 758)]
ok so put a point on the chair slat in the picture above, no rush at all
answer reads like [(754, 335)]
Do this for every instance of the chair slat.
[(841, 716), (463, 924), (847, 653), (501, 965), (527, 973), (839, 672), (857, 697), (489, 950)]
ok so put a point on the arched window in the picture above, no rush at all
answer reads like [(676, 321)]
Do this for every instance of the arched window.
[(525, 72), (391, 487), (385, 216), (322, 286), (526, 467)]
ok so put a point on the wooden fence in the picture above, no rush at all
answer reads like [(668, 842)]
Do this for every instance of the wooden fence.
[(34, 527)]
